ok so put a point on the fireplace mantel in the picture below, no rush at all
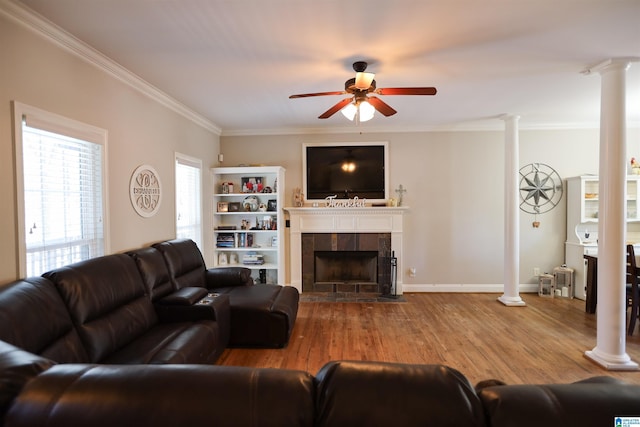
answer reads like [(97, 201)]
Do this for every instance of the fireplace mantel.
[(343, 220)]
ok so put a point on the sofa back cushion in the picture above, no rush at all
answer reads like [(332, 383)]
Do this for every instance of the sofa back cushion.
[(391, 394), (17, 367), (592, 403), (34, 318), (107, 302), (154, 272), (185, 262), (169, 395)]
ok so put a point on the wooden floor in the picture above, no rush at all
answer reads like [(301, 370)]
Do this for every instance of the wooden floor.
[(543, 342)]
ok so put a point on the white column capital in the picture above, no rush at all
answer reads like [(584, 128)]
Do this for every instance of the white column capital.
[(508, 117), (612, 64)]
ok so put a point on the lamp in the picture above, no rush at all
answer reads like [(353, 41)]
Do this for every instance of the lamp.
[(360, 110)]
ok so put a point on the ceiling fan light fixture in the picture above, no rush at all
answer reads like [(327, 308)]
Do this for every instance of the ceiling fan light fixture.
[(364, 80), (350, 111), (361, 111), (365, 111)]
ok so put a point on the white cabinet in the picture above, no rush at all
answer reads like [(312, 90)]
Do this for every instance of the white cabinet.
[(248, 221), (583, 198)]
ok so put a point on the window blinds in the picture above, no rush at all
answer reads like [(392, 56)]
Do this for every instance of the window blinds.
[(188, 199), (63, 199)]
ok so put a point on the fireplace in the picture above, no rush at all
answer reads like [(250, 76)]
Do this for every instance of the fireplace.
[(336, 267), (323, 225), (346, 262)]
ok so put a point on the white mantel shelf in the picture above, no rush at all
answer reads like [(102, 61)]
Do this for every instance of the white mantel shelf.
[(343, 220)]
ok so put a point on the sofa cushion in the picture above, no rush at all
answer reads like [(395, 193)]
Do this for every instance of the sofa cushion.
[(34, 318), (261, 315), (591, 403), (170, 395), (185, 262), (17, 367), (154, 272), (181, 343), (107, 301), (391, 394)]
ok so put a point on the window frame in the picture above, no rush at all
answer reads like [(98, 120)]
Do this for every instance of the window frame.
[(196, 163), (56, 123)]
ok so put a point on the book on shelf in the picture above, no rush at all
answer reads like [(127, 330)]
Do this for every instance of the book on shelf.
[(245, 240), (227, 227), (253, 258), (225, 240)]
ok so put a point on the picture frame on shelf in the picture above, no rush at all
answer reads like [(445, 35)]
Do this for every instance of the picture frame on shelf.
[(234, 207), (223, 207), (254, 184)]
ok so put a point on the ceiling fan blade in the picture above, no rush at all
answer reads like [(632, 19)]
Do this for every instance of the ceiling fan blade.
[(406, 91), (339, 106), (384, 108), (306, 95)]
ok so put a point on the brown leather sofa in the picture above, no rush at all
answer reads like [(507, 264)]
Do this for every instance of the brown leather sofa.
[(34, 391), (138, 308)]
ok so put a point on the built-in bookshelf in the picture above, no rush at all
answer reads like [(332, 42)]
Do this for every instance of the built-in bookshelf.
[(248, 221)]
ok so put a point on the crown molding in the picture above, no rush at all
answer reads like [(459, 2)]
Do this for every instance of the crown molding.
[(36, 23)]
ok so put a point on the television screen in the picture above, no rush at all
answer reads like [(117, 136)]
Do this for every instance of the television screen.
[(346, 171)]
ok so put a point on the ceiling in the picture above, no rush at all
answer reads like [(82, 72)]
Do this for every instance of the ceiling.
[(236, 62)]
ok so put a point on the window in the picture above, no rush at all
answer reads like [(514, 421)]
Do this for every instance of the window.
[(188, 198), (61, 190)]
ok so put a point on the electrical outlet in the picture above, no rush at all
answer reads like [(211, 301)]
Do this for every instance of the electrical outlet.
[(412, 272), (536, 271)]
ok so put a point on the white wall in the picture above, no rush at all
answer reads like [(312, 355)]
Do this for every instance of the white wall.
[(454, 231), (37, 72), (454, 179)]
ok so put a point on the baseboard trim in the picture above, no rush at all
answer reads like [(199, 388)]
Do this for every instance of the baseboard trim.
[(464, 288)]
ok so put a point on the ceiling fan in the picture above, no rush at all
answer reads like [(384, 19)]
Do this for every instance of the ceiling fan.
[(360, 105)]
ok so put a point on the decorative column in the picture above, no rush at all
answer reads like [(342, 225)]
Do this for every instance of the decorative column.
[(610, 350), (511, 296)]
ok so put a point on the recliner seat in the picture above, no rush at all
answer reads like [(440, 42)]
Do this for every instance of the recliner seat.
[(261, 315)]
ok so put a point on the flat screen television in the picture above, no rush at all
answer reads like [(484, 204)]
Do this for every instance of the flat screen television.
[(346, 171)]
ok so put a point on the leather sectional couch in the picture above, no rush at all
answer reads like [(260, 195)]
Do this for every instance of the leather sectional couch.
[(34, 391), (155, 305)]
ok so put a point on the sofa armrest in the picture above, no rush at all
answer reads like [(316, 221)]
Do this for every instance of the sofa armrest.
[(227, 276), (211, 307), (185, 296)]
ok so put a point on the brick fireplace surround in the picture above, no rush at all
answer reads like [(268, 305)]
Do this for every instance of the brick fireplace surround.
[(344, 229), (343, 246)]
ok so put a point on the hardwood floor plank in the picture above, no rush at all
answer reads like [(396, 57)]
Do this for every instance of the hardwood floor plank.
[(543, 342)]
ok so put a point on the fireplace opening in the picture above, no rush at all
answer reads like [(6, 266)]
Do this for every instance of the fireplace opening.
[(333, 267)]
